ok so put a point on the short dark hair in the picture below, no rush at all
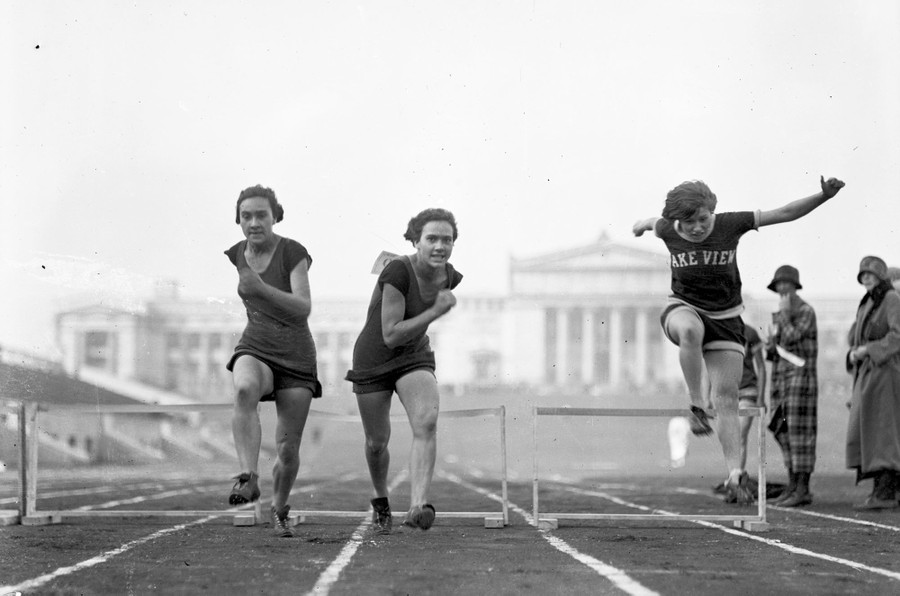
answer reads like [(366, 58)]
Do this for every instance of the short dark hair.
[(687, 198), (415, 225), (261, 192)]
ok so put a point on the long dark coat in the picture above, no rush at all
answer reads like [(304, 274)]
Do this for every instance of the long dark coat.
[(873, 432)]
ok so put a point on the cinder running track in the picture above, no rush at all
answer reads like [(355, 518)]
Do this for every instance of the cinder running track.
[(824, 549)]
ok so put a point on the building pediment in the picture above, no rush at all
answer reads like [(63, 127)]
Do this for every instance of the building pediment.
[(96, 309), (603, 255)]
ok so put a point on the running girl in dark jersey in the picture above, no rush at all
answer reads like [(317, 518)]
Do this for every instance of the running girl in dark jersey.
[(392, 354), (275, 358), (703, 316)]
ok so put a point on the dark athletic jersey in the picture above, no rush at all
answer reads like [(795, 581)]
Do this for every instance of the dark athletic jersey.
[(705, 274)]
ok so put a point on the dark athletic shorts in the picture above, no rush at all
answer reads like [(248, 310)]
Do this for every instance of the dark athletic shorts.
[(282, 380), (281, 377), (384, 376), (388, 383), (718, 334)]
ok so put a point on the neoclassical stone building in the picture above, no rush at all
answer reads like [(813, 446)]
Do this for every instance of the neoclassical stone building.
[(588, 316), (580, 319)]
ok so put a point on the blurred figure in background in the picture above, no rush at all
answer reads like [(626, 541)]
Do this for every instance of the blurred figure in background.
[(793, 348), (752, 389), (873, 431), (893, 274)]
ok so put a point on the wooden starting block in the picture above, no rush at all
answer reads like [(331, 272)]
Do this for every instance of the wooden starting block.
[(249, 518), (42, 519), (753, 526), (9, 517), (548, 523)]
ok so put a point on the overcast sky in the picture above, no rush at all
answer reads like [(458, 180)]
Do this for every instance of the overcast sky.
[(129, 129)]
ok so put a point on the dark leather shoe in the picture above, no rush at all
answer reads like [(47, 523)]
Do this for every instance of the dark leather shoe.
[(873, 503)]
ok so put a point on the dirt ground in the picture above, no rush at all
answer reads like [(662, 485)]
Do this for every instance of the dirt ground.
[(827, 548)]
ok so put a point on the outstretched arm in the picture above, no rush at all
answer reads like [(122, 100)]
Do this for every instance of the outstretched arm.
[(800, 207), (644, 225)]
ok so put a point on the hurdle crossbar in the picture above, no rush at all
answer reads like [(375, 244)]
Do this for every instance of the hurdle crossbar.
[(550, 520), (28, 466)]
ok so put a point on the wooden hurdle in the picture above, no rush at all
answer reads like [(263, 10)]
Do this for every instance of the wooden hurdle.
[(550, 521), (247, 515)]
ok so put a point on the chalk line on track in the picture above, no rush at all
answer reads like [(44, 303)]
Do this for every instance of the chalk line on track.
[(776, 543), (76, 492), (849, 520), (331, 574), (616, 576), (41, 580)]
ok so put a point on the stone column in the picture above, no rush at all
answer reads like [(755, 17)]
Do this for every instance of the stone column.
[(587, 345), (615, 346), (562, 345), (640, 346)]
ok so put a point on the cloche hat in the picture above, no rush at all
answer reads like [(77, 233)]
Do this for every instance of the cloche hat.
[(873, 265), (786, 273)]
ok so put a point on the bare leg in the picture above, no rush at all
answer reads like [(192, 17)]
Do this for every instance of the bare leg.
[(419, 395), (293, 408), (375, 411), (686, 330), (724, 375), (746, 424), (252, 379)]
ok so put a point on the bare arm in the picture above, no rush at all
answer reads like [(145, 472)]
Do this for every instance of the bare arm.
[(296, 302), (800, 207), (644, 225), (394, 329)]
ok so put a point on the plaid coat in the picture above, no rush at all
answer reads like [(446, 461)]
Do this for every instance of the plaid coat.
[(795, 390)]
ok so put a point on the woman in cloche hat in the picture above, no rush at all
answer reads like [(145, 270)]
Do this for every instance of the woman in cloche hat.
[(873, 431)]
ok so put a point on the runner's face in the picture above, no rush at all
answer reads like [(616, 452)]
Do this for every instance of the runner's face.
[(698, 225), (256, 219), (435, 245)]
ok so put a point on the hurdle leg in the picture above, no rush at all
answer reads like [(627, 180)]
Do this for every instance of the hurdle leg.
[(503, 471), (534, 467), (32, 517), (760, 525), (23, 461)]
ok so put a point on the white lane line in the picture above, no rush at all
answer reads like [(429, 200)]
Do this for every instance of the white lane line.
[(849, 520), (62, 571), (332, 573), (776, 543), (142, 499), (77, 492), (41, 580), (616, 576)]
